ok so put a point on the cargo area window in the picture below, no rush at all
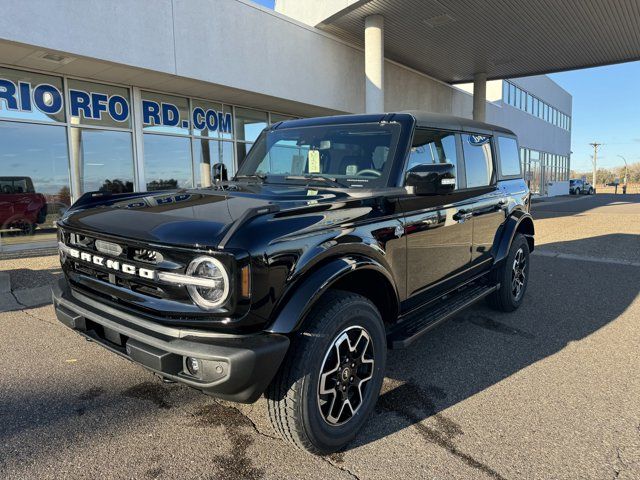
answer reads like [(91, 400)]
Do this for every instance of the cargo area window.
[(509, 158)]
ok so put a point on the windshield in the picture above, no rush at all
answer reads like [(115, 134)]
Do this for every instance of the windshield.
[(351, 155)]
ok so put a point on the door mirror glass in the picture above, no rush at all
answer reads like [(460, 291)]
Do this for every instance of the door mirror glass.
[(431, 179)]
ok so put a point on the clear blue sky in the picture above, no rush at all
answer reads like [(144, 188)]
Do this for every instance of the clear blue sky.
[(606, 109), (266, 3)]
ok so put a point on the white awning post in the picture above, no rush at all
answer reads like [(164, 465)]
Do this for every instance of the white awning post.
[(480, 97), (374, 63)]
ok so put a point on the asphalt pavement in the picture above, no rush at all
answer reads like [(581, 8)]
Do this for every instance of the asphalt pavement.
[(550, 391)]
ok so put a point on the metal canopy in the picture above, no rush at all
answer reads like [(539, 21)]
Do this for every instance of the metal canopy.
[(453, 39)]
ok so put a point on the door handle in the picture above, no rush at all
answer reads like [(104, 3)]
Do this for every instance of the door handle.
[(462, 215)]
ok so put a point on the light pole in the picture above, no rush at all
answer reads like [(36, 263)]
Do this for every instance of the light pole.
[(626, 168), (595, 146)]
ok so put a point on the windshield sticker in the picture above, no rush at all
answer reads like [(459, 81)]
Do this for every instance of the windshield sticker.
[(352, 169), (314, 161)]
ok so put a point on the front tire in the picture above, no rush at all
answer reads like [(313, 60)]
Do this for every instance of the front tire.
[(513, 276), (331, 378)]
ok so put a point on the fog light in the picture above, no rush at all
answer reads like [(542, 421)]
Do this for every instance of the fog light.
[(193, 366)]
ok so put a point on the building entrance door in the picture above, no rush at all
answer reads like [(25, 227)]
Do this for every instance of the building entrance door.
[(535, 172)]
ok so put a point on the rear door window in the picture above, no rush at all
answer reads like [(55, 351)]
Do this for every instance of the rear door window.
[(478, 160), (509, 157)]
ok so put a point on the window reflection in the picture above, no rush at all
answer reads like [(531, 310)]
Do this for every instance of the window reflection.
[(241, 152), (103, 159), (34, 179), (249, 124), (79, 89), (26, 108), (207, 153), (477, 161), (432, 146), (167, 162), (165, 113)]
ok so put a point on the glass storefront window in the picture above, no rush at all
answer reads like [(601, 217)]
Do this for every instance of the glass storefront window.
[(210, 119), (167, 162), (103, 159), (241, 152), (165, 113), (99, 105), (276, 117), (206, 153), (249, 124), (31, 96), (34, 181)]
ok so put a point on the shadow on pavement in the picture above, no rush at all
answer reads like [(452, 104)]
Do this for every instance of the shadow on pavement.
[(577, 206), (465, 356), (481, 347)]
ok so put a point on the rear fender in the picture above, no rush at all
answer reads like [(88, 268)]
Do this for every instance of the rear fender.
[(518, 222)]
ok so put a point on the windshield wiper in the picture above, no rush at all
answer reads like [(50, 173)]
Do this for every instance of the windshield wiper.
[(321, 178), (258, 176)]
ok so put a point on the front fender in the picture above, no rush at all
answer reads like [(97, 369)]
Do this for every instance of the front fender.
[(290, 315), (518, 221)]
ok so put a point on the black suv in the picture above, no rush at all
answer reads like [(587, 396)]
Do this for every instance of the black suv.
[(338, 238)]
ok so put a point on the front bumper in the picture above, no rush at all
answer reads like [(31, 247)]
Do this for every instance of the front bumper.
[(233, 367)]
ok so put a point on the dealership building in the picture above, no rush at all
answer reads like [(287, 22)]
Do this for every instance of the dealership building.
[(131, 95)]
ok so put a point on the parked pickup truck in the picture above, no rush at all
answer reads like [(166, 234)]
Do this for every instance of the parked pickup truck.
[(339, 237), (20, 206)]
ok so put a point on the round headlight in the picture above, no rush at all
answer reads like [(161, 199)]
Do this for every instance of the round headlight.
[(215, 286)]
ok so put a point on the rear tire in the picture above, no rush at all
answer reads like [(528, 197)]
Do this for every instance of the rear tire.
[(325, 391), (513, 276)]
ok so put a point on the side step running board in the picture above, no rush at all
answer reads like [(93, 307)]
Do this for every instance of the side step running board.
[(417, 324)]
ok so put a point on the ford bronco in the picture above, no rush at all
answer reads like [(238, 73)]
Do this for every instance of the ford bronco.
[(338, 238)]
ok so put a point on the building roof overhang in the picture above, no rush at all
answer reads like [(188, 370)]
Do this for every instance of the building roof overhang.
[(454, 39)]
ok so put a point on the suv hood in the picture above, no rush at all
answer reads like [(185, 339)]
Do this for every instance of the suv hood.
[(194, 218)]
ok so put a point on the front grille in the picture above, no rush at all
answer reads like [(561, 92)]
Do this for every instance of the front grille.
[(100, 280), (132, 290)]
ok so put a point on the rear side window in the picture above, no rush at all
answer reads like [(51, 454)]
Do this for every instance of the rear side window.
[(478, 160), (509, 158), (433, 146)]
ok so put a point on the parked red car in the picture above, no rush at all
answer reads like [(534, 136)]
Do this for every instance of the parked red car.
[(20, 206)]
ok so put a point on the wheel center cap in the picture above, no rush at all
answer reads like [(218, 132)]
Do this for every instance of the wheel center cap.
[(346, 374)]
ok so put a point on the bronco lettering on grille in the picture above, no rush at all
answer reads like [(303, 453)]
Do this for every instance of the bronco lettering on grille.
[(109, 263)]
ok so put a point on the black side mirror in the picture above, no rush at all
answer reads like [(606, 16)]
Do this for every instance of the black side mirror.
[(220, 172), (432, 178)]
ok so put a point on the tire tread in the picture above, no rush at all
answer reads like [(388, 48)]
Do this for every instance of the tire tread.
[(282, 405)]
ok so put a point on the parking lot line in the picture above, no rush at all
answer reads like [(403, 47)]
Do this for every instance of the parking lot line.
[(584, 258)]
